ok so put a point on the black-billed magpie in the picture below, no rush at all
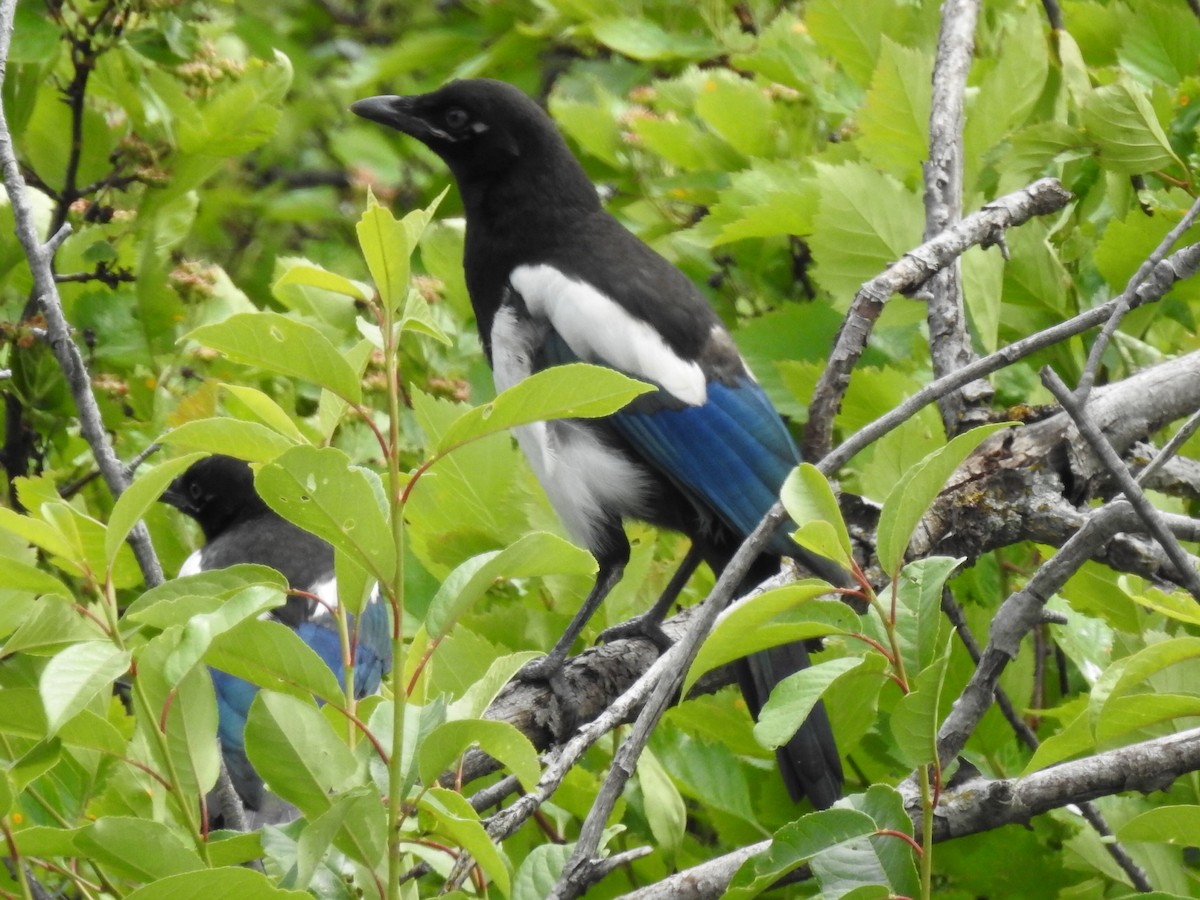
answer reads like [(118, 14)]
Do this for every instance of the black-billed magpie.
[(218, 492), (554, 278)]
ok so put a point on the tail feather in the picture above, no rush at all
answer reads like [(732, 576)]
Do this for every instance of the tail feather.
[(809, 762)]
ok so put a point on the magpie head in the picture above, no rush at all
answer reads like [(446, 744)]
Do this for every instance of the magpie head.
[(483, 129), (217, 492)]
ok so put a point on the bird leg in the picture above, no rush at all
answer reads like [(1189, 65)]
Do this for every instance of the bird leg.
[(649, 624), (548, 666)]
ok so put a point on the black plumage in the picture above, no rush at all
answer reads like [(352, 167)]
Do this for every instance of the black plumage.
[(554, 278)]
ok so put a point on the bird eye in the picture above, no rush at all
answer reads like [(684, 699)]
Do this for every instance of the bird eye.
[(456, 118), (195, 491)]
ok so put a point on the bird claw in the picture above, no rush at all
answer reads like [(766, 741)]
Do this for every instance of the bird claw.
[(545, 668), (637, 627)]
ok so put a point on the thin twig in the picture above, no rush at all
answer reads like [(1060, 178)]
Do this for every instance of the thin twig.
[(1029, 738), (1088, 376), (1176, 267), (1167, 453), (583, 867), (984, 227), (1120, 474)]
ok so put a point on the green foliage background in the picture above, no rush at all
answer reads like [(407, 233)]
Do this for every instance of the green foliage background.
[(773, 152)]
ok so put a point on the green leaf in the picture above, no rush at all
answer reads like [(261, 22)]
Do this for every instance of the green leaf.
[(266, 410), (895, 118), (75, 676), (865, 221), (191, 730), (1165, 825), (795, 844), (16, 575), (1135, 712), (915, 719), (1178, 605), (22, 714), (645, 40), (202, 628), (500, 740), (482, 691), (276, 343), (768, 199), (858, 867), (539, 553), (540, 870), (917, 489), (1159, 41), (1133, 677), (241, 117), (576, 390), (319, 490), (296, 751), (919, 609), (794, 697), (852, 33), (54, 624), (387, 244), (245, 440), (273, 656), (418, 316), (207, 884), (451, 816), (738, 110), (807, 496), (1072, 739), (663, 805), (6, 794), (140, 849), (159, 607), (39, 533), (307, 274), (363, 835), (139, 497), (778, 616), (1120, 119)]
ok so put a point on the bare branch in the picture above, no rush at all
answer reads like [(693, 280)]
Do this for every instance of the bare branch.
[(1019, 613), (65, 350), (983, 805), (1088, 377), (1112, 462), (1178, 266), (983, 228), (949, 344)]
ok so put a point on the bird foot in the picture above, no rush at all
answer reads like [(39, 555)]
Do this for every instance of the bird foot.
[(545, 668), (642, 626)]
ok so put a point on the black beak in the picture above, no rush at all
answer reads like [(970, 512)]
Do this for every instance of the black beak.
[(395, 112), (176, 495)]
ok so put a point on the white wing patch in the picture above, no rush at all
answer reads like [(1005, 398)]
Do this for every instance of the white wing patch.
[(600, 330), (326, 590), (193, 565)]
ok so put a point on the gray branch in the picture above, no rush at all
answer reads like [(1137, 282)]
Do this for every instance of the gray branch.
[(982, 805), (984, 228), (1176, 267), (949, 343), (66, 351)]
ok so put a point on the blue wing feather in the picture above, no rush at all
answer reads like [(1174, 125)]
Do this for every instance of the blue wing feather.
[(372, 661), (732, 453)]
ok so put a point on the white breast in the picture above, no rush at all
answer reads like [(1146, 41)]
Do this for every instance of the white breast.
[(586, 481)]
